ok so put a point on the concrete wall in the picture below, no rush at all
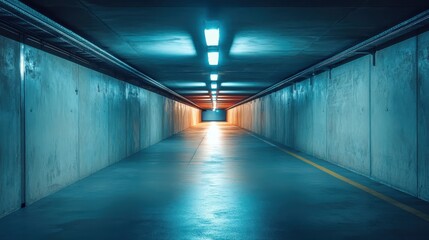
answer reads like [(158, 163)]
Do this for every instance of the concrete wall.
[(394, 116), (372, 119), (423, 115), (10, 127), (77, 121)]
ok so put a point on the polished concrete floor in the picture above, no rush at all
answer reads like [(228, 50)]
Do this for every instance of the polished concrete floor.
[(216, 181)]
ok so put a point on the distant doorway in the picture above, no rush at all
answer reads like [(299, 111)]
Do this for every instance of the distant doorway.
[(216, 115)]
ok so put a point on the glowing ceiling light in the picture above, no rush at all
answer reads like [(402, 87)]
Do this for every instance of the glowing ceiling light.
[(214, 76), (213, 92), (213, 58), (214, 85), (212, 36)]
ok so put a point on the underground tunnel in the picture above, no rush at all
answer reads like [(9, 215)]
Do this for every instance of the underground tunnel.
[(209, 119)]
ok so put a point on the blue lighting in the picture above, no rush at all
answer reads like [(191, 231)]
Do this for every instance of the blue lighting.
[(214, 76), (172, 44), (212, 36), (213, 58)]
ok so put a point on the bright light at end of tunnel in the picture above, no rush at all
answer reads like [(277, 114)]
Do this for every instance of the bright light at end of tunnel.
[(213, 58), (212, 36), (214, 85), (214, 76)]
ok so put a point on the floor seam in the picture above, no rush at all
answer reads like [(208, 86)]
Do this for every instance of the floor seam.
[(196, 150)]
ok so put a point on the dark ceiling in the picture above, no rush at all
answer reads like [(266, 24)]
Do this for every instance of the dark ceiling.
[(262, 42)]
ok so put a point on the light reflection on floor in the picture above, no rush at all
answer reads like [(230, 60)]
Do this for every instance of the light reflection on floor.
[(215, 202), (215, 181)]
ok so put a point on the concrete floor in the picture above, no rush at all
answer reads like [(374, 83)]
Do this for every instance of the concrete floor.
[(216, 181)]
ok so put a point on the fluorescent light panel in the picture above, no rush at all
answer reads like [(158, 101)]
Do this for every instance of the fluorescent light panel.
[(213, 58), (244, 84), (214, 76), (214, 85), (184, 84), (238, 91), (212, 36), (192, 91)]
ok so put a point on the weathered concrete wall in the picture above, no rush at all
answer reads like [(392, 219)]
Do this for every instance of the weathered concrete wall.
[(371, 119), (117, 120), (77, 121), (423, 115), (133, 116), (394, 116), (10, 127), (93, 121), (348, 115), (288, 120), (303, 116), (51, 123), (320, 98)]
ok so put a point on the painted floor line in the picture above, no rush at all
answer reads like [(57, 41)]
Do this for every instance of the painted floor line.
[(364, 188)]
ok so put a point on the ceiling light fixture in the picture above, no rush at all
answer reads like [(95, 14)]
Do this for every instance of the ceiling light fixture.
[(214, 105), (214, 76), (213, 58), (212, 37)]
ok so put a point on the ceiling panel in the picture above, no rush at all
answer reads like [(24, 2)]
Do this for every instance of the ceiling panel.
[(262, 42)]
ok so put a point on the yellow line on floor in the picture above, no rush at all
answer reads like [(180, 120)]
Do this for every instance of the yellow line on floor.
[(366, 189)]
